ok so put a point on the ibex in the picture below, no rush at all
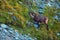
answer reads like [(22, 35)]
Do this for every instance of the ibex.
[(39, 19)]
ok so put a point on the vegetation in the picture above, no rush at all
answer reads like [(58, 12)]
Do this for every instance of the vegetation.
[(20, 10)]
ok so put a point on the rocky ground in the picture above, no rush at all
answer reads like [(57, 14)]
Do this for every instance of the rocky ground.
[(7, 33)]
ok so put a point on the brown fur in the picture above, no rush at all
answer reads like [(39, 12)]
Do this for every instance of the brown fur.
[(40, 19)]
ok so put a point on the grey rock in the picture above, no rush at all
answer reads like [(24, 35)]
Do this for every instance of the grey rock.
[(1, 29), (58, 34), (4, 26), (12, 34)]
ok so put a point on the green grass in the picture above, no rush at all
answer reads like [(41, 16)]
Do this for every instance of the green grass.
[(21, 11)]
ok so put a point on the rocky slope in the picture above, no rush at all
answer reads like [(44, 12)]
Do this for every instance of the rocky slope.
[(7, 33)]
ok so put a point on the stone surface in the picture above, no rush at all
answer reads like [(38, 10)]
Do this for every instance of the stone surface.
[(4, 26), (7, 33)]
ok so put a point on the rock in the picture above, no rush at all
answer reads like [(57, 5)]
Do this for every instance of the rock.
[(10, 13), (58, 34), (56, 17), (16, 34), (14, 18), (1, 29), (20, 2), (5, 31), (10, 34), (29, 24), (4, 26), (11, 31), (8, 38)]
